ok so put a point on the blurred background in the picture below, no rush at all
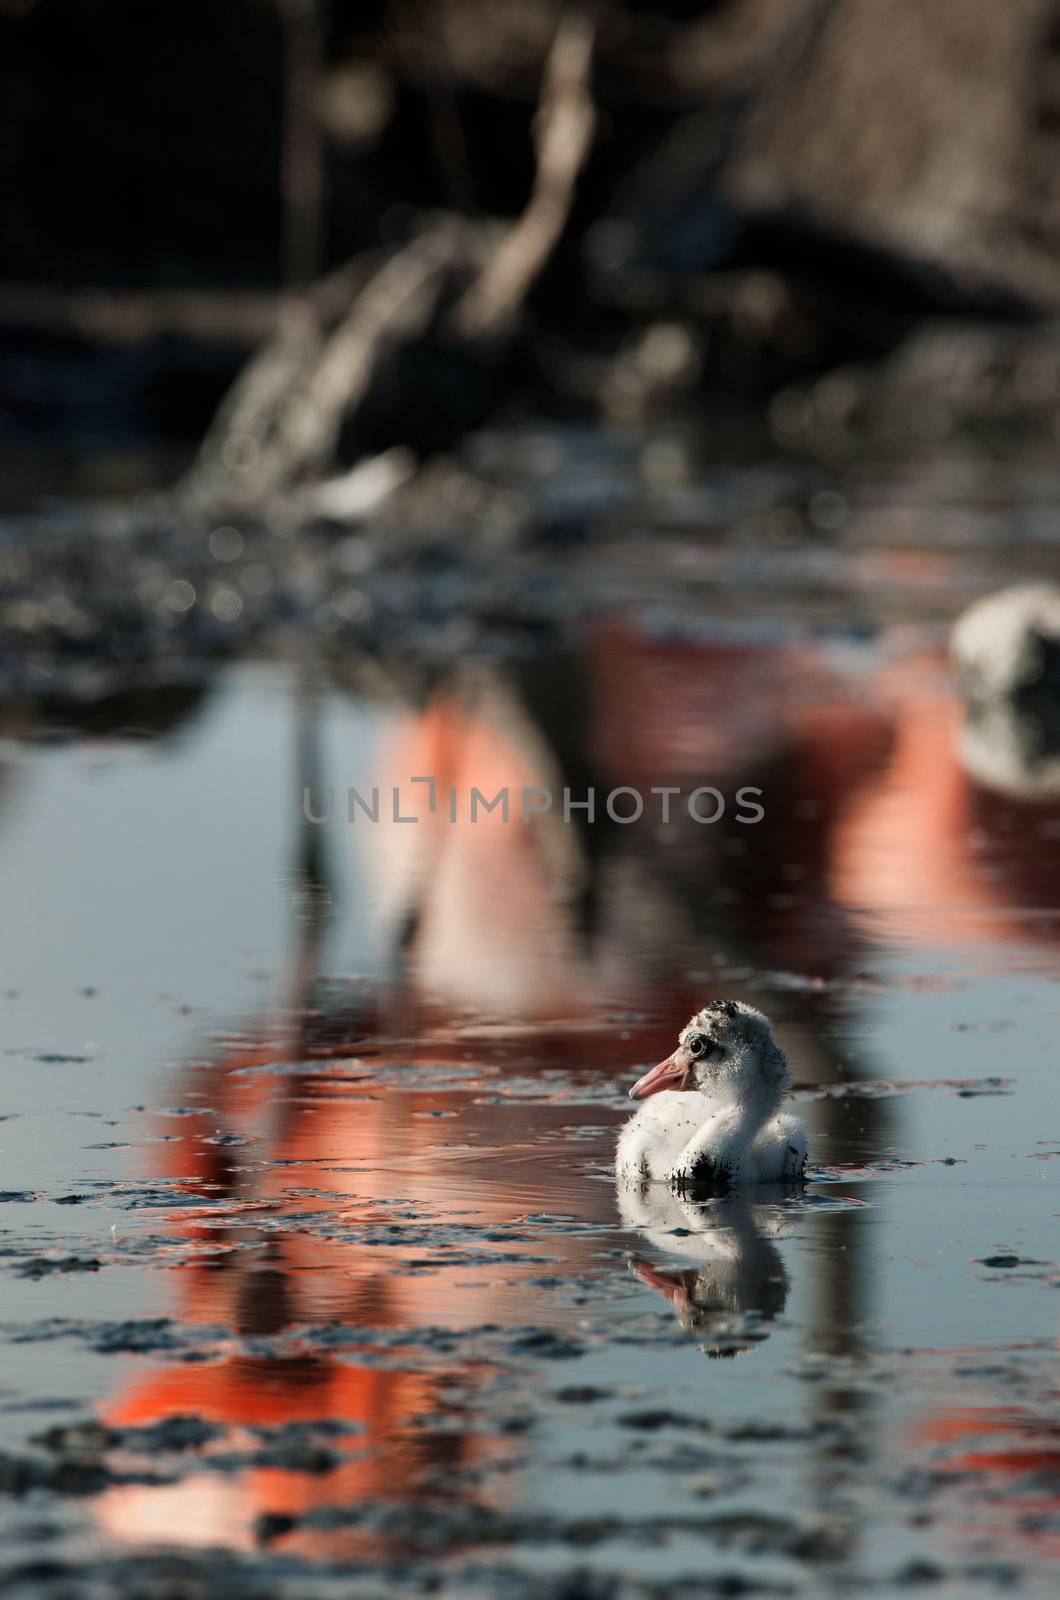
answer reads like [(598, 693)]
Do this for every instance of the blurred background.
[(799, 222), (532, 394)]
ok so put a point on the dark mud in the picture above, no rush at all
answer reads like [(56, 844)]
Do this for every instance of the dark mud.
[(112, 619)]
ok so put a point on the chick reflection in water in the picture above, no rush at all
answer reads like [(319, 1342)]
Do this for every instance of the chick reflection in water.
[(737, 1281)]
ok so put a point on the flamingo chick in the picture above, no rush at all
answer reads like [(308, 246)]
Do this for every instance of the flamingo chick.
[(712, 1114)]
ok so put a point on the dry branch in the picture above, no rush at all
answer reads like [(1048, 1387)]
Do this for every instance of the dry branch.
[(281, 419), (564, 134), (396, 304), (280, 424)]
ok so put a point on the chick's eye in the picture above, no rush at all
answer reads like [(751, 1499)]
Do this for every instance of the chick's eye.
[(699, 1045)]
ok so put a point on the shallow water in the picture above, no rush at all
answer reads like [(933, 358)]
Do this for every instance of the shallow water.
[(308, 1132)]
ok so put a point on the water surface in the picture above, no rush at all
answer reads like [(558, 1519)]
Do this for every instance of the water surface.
[(308, 1129)]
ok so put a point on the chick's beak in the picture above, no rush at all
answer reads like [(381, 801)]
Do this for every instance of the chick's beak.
[(672, 1285), (669, 1074)]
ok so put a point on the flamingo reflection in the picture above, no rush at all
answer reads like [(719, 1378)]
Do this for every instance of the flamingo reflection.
[(318, 1165), (999, 1468)]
